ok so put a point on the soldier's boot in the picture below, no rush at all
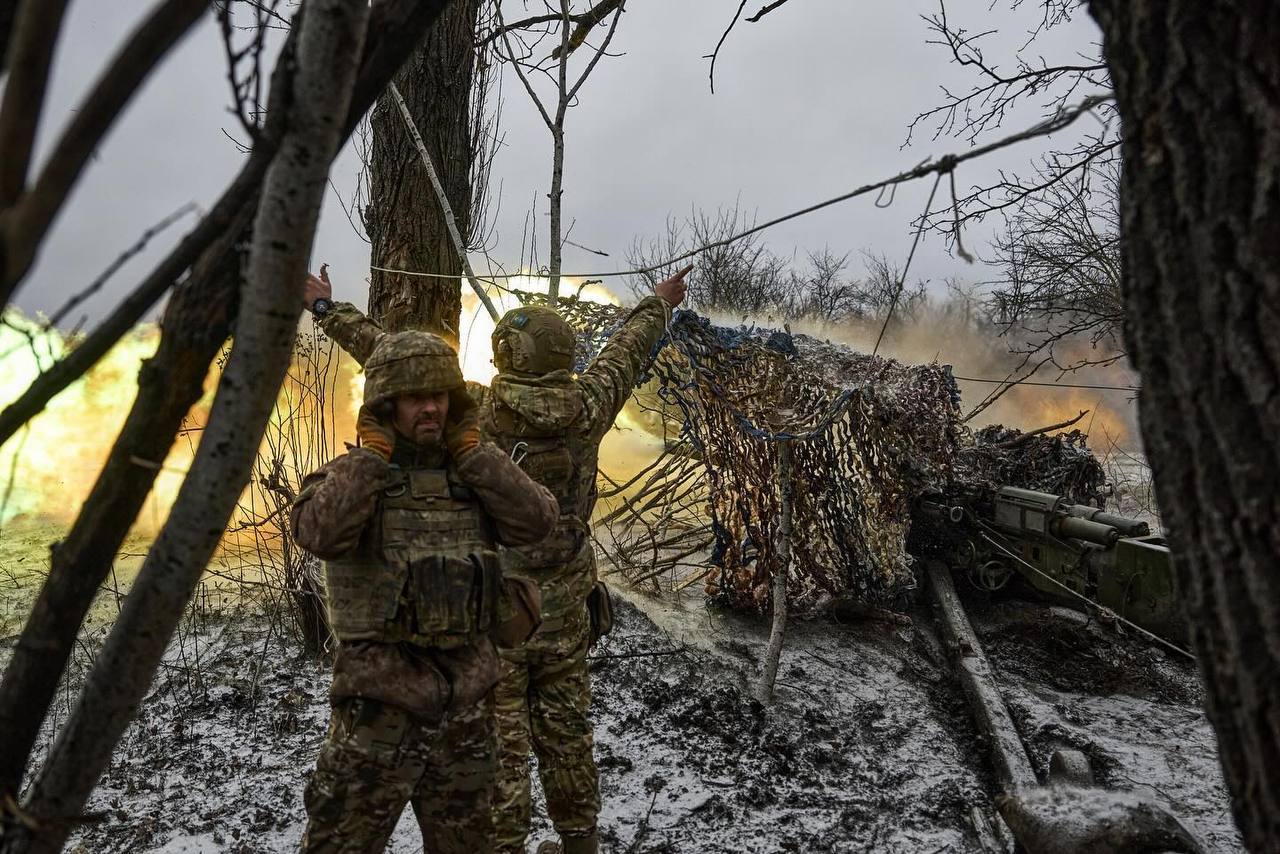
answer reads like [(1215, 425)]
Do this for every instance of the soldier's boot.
[(571, 845), (581, 844)]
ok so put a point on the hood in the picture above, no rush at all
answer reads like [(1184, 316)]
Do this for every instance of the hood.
[(551, 402)]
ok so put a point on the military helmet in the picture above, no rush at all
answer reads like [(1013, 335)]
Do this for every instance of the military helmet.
[(409, 362), (533, 339)]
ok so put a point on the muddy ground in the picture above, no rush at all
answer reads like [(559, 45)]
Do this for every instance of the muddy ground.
[(869, 745)]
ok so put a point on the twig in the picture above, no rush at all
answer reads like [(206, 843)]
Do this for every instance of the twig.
[(765, 10), (1013, 443), (115, 265), (715, 53)]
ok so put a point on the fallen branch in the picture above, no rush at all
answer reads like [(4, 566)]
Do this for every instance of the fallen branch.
[(1013, 443)]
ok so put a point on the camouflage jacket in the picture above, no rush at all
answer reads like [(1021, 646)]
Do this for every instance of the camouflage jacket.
[(336, 515), (583, 407), (337, 502)]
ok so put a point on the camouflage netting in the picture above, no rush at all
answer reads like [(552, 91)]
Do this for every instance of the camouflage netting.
[(867, 434), (870, 434), (1061, 465)]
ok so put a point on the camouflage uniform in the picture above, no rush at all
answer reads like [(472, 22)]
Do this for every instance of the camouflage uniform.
[(544, 695), (414, 591)]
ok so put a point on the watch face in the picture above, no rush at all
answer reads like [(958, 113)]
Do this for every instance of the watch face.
[(321, 305)]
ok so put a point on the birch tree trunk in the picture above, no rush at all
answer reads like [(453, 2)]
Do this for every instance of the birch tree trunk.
[(1198, 88)]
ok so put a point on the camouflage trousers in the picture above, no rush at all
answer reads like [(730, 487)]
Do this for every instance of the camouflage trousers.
[(377, 758), (542, 702)]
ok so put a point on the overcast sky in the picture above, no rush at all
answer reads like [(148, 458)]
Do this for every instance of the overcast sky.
[(812, 101)]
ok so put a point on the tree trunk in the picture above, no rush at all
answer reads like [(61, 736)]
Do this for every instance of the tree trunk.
[(196, 323), (328, 52), (405, 222), (1198, 89)]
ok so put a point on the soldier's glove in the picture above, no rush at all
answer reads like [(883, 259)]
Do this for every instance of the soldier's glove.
[(375, 435), (462, 430)]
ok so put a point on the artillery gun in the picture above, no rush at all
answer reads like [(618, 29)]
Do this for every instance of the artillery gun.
[(1069, 553)]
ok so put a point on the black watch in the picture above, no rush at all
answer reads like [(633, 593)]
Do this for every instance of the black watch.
[(321, 306)]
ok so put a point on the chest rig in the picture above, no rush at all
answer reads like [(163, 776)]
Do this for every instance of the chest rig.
[(427, 570), (562, 462)]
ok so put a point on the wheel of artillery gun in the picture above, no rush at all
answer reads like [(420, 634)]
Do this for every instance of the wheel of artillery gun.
[(989, 576), (1070, 767)]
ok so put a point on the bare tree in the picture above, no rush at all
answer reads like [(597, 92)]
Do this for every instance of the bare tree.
[(523, 41), (445, 86), (735, 277), (196, 323), (1059, 257), (317, 96), (1201, 221), (743, 277)]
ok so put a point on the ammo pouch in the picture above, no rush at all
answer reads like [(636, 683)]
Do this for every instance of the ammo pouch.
[(456, 595), (600, 610), (523, 615)]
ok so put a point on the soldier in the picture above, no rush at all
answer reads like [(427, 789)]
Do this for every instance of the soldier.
[(553, 422), (408, 525)]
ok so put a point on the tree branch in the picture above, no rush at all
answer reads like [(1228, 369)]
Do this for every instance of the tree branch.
[(765, 10), (399, 25), (711, 74), (329, 48), (24, 226), (35, 31)]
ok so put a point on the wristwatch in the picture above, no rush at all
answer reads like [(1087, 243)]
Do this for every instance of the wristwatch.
[(321, 307)]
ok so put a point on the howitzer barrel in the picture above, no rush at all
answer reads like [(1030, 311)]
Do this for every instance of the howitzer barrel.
[(1084, 529), (1127, 526)]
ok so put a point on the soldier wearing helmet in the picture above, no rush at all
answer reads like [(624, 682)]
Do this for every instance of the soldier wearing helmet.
[(552, 421), (408, 525)]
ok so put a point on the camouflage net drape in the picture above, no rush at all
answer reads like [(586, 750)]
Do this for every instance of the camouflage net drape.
[(867, 435)]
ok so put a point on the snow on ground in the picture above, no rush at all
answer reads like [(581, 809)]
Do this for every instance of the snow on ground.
[(869, 745)]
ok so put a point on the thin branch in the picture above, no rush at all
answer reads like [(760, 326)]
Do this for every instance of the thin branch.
[(1062, 425), (511, 55), (25, 226), (450, 223), (711, 74), (120, 261), (620, 6), (765, 10)]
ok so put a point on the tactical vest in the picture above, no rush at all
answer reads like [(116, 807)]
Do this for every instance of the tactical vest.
[(562, 462), (426, 571)]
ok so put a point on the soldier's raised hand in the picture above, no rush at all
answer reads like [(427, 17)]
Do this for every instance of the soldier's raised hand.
[(673, 290), (317, 287)]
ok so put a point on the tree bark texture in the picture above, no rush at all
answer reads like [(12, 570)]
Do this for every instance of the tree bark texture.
[(326, 62), (405, 222), (1198, 88)]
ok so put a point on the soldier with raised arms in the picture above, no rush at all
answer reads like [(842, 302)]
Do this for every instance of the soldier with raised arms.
[(408, 525), (552, 421)]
